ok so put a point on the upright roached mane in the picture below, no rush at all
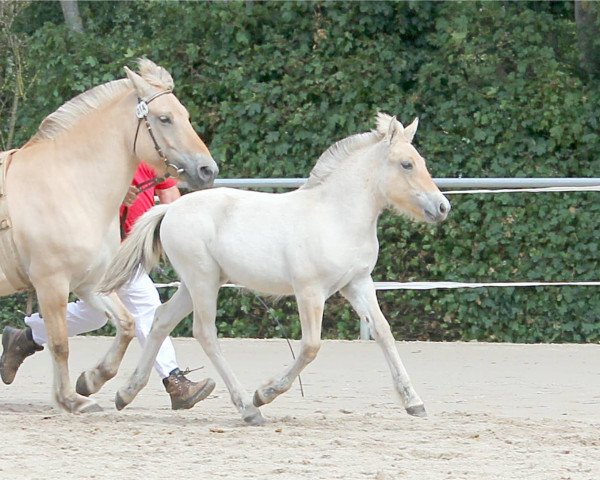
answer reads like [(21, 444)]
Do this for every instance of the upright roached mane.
[(339, 151), (310, 243), (87, 102)]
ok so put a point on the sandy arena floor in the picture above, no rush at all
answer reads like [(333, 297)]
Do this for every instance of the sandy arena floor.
[(496, 411)]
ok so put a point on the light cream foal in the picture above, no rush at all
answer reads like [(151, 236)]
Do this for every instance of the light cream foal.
[(311, 243)]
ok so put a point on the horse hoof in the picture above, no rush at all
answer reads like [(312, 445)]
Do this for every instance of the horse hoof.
[(91, 408), (256, 419), (417, 411), (119, 402), (256, 400), (81, 387)]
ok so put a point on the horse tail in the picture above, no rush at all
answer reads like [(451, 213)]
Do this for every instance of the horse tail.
[(142, 248)]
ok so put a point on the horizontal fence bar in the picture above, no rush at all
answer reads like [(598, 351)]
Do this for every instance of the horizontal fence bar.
[(455, 285), (440, 285), (460, 183)]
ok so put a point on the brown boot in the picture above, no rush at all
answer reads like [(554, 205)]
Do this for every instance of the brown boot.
[(185, 393), (17, 345)]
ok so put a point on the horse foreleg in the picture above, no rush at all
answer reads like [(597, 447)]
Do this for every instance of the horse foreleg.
[(91, 381), (166, 318), (361, 295), (52, 299), (310, 308)]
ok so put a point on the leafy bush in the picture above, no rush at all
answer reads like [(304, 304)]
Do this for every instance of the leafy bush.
[(498, 89)]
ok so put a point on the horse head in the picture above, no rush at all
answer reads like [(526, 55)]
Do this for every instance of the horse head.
[(168, 141), (405, 181)]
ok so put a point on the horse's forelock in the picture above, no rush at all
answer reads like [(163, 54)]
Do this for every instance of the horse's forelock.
[(154, 74)]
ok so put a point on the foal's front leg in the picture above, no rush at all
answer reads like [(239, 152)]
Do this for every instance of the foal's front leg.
[(361, 295), (310, 308)]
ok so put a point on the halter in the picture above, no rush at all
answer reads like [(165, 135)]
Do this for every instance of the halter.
[(141, 112)]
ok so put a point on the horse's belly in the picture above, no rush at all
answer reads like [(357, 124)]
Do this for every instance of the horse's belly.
[(259, 280)]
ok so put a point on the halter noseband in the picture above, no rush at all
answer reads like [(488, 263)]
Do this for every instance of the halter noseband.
[(141, 112)]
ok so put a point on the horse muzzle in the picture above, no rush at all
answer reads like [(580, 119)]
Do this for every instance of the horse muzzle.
[(201, 175), (436, 209)]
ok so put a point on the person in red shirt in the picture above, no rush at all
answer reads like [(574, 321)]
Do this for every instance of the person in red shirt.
[(139, 296)]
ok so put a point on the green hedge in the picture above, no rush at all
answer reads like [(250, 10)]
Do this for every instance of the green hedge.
[(497, 86)]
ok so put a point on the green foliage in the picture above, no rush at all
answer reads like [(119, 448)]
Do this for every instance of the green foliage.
[(499, 92)]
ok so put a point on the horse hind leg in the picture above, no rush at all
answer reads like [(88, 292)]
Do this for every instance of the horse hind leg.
[(205, 331), (52, 298), (310, 307), (91, 381), (166, 318)]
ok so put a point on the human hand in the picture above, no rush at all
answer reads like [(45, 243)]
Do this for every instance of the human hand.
[(132, 193)]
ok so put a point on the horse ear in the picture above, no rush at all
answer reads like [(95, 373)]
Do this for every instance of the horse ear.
[(394, 130), (141, 86), (409, 132)]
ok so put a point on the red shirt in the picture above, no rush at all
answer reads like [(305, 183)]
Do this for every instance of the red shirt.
[(145, 200)]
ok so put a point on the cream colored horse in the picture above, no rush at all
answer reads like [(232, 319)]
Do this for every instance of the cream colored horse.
[(64, 188), (311, 243)]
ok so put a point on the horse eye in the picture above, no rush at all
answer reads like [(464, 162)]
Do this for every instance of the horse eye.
[(165, 119), (407, 165)]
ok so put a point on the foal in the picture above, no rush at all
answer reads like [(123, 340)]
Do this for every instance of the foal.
[(311, 243)]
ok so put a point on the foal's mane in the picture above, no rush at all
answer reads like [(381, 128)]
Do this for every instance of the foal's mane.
[(69, 113), (339, 151)]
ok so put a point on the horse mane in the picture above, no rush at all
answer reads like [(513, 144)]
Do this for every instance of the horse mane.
[(69, 113), (339, 151)]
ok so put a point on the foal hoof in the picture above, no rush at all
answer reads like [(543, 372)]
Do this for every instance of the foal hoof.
[(256, 419), (81, 387), (91, 408), (120, 403), (417, 411), (257, 401)]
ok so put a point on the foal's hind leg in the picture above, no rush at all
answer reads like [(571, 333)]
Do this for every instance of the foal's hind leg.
[(52, 297), (361, 294), (166, 318), (310, 307), (91, 381), (205, 331)]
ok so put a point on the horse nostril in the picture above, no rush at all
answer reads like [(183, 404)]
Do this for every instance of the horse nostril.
[(206, 173), (443, 208)]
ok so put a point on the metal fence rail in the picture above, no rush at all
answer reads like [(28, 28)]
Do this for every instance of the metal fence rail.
[(452, 183)]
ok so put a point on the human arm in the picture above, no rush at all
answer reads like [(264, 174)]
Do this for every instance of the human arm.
[(168, 195)]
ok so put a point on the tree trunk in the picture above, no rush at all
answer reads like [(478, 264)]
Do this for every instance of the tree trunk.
[(70, 10), (587, 19)]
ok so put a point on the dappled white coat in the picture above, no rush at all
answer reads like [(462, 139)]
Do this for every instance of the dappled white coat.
[(311, 243)]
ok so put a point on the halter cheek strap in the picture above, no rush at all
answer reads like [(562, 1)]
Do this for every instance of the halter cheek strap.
[(141, 112)]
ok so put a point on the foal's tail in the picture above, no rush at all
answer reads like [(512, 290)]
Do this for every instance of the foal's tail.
[(141, 248)]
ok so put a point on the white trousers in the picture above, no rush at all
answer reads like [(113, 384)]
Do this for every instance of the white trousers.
[(139, 297)]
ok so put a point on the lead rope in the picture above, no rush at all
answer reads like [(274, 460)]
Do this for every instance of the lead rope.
[(141, 187)]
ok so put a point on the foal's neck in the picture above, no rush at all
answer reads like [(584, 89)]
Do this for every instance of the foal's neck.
[(354, 185)]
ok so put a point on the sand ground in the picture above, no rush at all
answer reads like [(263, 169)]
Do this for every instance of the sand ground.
[(496, 411)]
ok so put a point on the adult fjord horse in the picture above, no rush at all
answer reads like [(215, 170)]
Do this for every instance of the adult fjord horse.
[(312, 242), (63, 191)]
